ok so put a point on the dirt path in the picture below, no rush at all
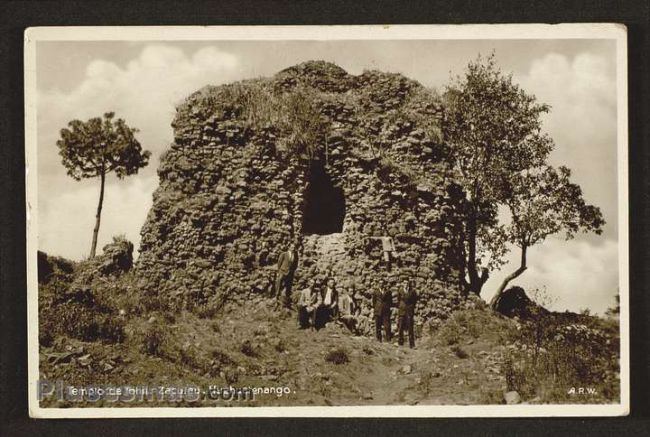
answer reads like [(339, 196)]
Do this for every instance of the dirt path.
[(381, 373)]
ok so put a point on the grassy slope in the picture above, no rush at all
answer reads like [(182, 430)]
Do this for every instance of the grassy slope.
[(278, 354), (104, 332), (462, 363)]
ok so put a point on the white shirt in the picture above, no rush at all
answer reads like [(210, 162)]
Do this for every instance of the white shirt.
[(328, 297)]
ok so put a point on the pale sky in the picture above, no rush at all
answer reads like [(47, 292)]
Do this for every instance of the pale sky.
[(143, 81)]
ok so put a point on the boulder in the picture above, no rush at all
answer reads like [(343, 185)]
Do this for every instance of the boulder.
[(116, 257), (514, 302), (512, 397)]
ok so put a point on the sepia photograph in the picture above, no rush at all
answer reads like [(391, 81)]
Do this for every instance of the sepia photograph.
[(327, 221)]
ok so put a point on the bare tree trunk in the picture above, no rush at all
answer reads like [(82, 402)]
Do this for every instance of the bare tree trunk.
[(93, 247), (522, 268), (471, 256), (476, 281)]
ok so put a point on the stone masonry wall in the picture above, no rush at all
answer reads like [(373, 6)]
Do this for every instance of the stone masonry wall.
[(233, 186)]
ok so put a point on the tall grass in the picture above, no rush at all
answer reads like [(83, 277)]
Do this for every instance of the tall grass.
[(555, 355), (295, 115)]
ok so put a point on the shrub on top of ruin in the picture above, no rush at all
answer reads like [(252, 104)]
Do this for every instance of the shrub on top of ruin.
[(303, 122), (256, 105), (425, 108)]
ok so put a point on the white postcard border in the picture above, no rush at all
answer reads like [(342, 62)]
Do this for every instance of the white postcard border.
[(615, 32)]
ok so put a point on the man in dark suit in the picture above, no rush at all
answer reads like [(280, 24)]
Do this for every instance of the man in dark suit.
[(287, 265), (407, 298), (327, 304), (382, 301)]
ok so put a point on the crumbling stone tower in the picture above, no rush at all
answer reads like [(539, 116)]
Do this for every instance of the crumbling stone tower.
[(312, 154)]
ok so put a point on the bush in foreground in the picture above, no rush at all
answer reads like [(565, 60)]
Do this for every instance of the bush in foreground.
[(558, 352), (337, 356)]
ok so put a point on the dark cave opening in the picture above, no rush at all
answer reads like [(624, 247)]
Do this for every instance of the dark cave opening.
[(324, 203)]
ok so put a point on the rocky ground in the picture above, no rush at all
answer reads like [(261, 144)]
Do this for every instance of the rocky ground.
[(260, 347), (95, 329)]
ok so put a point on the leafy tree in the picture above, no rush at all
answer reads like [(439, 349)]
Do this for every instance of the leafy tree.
[(97, 147), (542, 202), (494, 128), (614, 311)]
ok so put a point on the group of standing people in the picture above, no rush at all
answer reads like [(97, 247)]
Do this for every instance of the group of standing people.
[(317, 304), (382, 302)]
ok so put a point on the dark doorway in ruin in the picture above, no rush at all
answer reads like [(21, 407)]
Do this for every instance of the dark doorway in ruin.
[(324, 203)]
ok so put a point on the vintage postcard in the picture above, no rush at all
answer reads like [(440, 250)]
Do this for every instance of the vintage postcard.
[(388, 221)]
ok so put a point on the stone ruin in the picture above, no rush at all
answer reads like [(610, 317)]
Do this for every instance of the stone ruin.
[(311, 154)]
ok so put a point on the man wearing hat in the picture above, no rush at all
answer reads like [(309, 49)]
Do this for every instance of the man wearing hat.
[(406, 300), (307, 304), (287, 265), (382, 301), (347, 310)]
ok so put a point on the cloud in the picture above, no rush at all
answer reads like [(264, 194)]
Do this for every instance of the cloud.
[(576, 273), (581, 89), (144, 92), (580, 86), (67, 219), (582, 93)]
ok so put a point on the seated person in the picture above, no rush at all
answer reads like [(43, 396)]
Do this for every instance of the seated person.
[(307, 303), (364, 322), (347, 310), (327, 305)]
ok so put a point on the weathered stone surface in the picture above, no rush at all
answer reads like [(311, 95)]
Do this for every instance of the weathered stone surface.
[(116, 257), (512, 397), (235, 184)]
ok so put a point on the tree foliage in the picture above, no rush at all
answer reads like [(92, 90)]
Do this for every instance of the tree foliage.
[(615, 311), (501, 153), (542, 202), (97, 147), (494, 128)]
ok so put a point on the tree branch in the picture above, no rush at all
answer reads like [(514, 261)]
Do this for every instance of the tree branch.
[(522, 268)]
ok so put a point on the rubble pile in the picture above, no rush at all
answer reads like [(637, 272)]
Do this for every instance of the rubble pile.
[(235, 184)]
